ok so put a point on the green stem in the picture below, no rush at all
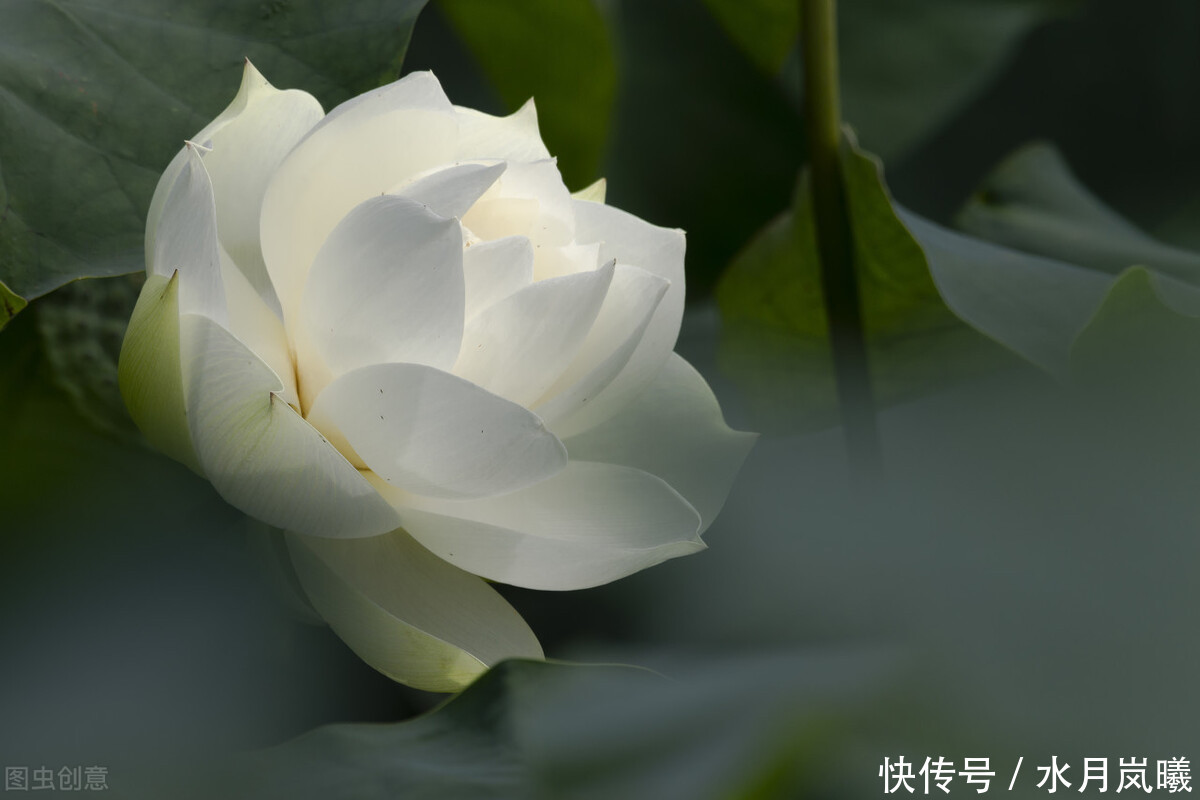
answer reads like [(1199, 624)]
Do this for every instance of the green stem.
[(835, 240)]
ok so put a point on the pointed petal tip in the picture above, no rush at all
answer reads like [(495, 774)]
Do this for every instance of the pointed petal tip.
[(252, 79), (422, 76), (197, 148), (527, 116), (594, 192)]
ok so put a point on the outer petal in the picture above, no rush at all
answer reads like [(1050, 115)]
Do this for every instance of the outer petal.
[(512, 138), (588, 525), (674, 430), (245, 154), (187, 242), (209, 282), (408, 614), (248, 140), (252, 82), (628, 308), (362, 148), (518, 347), (259, 454), (433, 433), (631, 240), (387, 286), (150, 374)]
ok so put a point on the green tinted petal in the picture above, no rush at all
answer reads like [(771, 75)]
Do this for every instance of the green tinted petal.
[(406, 612), (150, 372)]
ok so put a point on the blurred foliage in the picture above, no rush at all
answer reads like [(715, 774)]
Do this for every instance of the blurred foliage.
[(1112, 85), (766, 30), (96, 98), (1035, 306), (516, 41), (905, 68), (766, 726), (1033, 202), (1034, 548), (10, 304), (1038, 266), (82, 326), (1182, 226), (777, 339), (908, 69), (1142, 336), (702, 140)]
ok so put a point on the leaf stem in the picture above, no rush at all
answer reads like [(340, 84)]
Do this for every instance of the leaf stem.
[(835, 240)]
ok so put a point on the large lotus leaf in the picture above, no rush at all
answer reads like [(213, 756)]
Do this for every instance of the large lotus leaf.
[(750, 726), (1044, 255), (1032, 201), (776, 334), (1141, 347), (1052, 258)]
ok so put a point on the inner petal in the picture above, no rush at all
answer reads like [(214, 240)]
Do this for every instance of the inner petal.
[(451, 191), (360, 149), (432, 433), (494, 270), (387, 285), (518, 347)]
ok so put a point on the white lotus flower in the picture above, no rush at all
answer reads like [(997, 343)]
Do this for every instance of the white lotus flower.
[(391, 332)]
